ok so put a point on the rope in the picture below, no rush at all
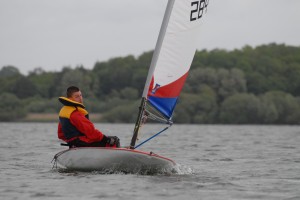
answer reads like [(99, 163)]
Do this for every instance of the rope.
[(152, 137)]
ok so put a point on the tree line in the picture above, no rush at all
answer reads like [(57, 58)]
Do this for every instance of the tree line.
[(252, 85)]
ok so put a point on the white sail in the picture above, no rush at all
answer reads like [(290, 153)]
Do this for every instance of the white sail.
[(174, 53), (172, 58)]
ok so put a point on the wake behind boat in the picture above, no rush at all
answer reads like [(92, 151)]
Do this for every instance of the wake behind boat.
[(171, 61)]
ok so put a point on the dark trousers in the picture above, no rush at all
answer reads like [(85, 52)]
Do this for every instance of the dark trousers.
[(79, 143)]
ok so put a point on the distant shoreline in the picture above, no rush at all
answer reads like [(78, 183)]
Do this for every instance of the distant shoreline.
[(51, 117)]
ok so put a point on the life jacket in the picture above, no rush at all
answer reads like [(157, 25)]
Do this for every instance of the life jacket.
[(69, 130)]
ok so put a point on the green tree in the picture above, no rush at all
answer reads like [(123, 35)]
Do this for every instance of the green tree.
[(240, 109), (23, 88), (9, 71), (8, 78), (43, 82), (11, 108), (269, 113), (231, 82), (140, 71), (41, 105), (121, 114), (200, 76), (129, 93), (225, 82), (114, 75), (195, 108), (286, 106), (79, 77)]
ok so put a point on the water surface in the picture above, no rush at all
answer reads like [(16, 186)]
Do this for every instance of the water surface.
[(214, 162)]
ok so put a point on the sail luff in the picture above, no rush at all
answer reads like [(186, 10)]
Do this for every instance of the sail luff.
[(158, 46), (171, 67)]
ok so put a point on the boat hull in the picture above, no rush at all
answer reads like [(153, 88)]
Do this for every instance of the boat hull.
[(112, 160)]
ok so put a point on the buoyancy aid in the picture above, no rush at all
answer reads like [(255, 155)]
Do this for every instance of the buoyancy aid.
[(69, 130)]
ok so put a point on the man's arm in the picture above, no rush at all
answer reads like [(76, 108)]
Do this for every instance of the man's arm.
[(86, 127)]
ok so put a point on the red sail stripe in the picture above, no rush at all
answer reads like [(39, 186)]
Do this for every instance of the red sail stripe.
[(168, 91)]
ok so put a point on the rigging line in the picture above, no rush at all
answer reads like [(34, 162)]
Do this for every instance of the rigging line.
[(152, 136), (154, 114), (156, 118)]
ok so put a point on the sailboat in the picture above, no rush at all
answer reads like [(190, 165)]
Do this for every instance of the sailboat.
[(171, 61)]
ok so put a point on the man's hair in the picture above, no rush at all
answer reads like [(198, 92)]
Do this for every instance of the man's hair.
[(71, 90)]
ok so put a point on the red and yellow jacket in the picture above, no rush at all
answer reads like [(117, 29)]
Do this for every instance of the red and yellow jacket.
[(74, 123)]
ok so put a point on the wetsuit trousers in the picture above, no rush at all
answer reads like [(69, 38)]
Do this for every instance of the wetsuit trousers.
[(78, 143)]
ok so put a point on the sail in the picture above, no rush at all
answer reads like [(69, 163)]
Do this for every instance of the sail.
[(174, 53), (172, 58)]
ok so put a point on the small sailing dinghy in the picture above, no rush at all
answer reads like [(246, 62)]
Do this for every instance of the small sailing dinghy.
[(172, 58), (114, 160)]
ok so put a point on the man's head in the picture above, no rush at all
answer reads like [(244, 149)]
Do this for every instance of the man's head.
[(74, 94)]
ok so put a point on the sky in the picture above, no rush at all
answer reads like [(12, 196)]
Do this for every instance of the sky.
[(52, 34)]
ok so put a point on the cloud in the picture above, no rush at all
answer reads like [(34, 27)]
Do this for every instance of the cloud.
[(53, 34)]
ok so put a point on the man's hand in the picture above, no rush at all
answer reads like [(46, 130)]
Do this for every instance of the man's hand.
[(113, 140)]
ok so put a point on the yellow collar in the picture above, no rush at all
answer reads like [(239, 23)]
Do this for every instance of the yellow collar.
[(68, 102)]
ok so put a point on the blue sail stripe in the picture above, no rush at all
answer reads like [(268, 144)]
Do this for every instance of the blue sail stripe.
[(164, 105)]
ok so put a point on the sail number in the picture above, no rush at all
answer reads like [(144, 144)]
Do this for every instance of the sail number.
[(197, 9)]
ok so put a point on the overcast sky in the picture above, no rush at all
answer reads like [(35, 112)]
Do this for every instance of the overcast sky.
[(55, 33)]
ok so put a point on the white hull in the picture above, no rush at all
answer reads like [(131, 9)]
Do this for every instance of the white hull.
[(113, 159)]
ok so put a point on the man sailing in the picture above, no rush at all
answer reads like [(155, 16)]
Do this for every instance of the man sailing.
[(74, 126)]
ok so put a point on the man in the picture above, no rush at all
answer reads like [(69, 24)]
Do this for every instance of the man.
[(74, 126)]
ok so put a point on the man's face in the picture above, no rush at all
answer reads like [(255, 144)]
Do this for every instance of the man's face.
[(77, 96)]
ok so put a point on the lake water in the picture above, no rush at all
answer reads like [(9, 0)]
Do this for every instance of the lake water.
[(214, 162)]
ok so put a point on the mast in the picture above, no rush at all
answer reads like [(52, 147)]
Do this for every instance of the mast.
[(158, 45), (151, 70), (138, 123)]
